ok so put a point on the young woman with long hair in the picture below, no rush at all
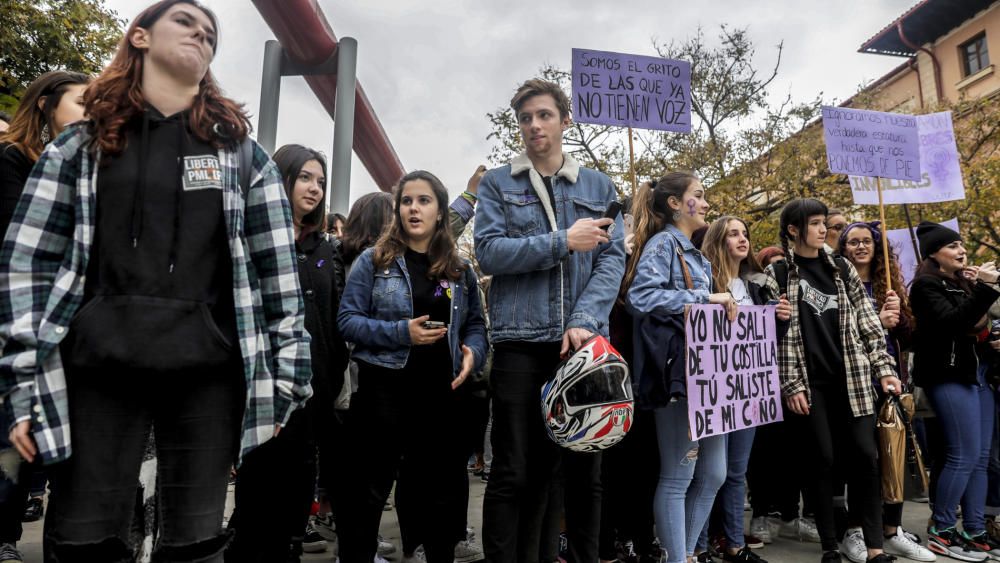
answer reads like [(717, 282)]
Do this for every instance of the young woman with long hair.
[(950, 299), (275, 485), (735, 269), (411, 308), (148, 285), (50, 103), (665, 273), (833, 348), (861, 245)]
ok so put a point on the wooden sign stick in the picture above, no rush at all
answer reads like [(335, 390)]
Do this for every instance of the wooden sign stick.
[(885, 234)]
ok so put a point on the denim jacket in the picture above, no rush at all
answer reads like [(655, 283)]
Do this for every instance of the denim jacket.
[(659, 285), (539, 288), (376, 309)]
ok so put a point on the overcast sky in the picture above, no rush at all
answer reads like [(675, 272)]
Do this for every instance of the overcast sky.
[(433, 69)]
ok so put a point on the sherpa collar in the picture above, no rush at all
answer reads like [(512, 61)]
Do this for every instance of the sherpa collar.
[(570, 171)]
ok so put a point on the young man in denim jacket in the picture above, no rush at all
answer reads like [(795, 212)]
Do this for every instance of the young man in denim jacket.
[(556, 265)]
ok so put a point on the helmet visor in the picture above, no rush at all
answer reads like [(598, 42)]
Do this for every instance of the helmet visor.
[(608, 384)]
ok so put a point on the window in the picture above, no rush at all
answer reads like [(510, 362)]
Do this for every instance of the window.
[(975, 56)]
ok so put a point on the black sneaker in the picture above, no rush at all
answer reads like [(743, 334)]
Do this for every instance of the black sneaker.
[(744, 555), (703, 557), (881, 558), (832, 556), (34, 510), (983, 542), (312, 542)]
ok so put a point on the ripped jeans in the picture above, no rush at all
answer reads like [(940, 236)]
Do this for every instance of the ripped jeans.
[(690, 476), (196, 414)]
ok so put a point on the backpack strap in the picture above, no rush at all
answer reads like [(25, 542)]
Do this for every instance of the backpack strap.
[(245, 165), (684, 267), (781, 276)]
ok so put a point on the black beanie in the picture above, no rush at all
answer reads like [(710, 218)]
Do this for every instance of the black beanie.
[(933, 236)]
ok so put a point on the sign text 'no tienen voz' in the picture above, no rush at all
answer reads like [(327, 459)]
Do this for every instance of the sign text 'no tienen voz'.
[(871, 143), (732, 369), (631, 91)]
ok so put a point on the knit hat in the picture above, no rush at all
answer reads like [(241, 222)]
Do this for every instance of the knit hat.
[(933, 237)]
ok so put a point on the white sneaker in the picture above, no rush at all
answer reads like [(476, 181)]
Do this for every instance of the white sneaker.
[(853, 547), (760, 529), (384, 547), (466, 552), (377, 559), (901, 544), (417, 557), (774, 524), (800, 529)]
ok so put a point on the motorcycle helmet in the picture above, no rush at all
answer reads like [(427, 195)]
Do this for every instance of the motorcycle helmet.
[(587, 406)]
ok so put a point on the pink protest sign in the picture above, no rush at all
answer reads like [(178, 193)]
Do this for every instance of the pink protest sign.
[(941, 173), (732, 369), (871, 143), (631, 91)]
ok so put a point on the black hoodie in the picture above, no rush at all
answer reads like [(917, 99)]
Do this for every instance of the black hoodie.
[(159, 289)]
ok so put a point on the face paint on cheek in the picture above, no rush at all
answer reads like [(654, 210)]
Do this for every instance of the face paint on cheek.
[(691, 204)]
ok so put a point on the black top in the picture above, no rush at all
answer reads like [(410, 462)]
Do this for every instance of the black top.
[(14, 170), (946, 318), (819, 316), (160, 268), (321, 275), (430, 297)]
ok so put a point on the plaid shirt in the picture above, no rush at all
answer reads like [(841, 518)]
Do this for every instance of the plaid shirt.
[(43, 262), (861, 337)]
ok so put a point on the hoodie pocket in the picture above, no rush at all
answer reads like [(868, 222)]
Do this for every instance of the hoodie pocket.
[(146, 333)]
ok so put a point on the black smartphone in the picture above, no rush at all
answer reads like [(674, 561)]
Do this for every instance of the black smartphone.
[(433, 324), (613, 210)]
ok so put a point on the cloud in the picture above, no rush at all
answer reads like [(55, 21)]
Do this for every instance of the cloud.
[(433, 69)]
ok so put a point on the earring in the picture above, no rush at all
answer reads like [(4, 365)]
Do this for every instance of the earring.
[(46, 135), (677, 216)]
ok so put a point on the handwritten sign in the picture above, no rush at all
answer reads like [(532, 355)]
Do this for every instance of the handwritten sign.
[(901, 243), (871, 143), (732, 369), (631, 91), (940, 173)]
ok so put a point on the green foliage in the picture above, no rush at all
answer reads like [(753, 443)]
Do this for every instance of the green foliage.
[(42, 35)]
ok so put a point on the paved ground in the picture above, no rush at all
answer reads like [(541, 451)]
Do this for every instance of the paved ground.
[(782, 551)]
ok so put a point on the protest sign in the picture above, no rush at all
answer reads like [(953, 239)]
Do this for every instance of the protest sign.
[(732, 369), (940, 175), (901, 243), (631, 91), (871, 143)]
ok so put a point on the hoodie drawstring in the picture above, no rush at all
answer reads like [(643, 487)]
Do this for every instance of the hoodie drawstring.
[(182, 142), (135, 227)]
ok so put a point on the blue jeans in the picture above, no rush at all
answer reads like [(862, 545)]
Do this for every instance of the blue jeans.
[(690, 475), (966, 416), (732, 495)]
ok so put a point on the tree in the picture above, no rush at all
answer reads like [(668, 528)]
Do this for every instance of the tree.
[(42, 35)]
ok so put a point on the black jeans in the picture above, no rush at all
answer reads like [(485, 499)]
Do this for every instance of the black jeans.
[(525, 463), (841, 442), (629, 474), (403, 421), (775, 478), (197, 416), (275, 486)]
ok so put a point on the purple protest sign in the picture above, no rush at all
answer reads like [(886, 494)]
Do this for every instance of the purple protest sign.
[(631, 91), (902, 246), (732, 369), (941, 174), (871, 143)]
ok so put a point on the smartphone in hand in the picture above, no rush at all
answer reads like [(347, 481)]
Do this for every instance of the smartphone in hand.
[(611, 213), (433, 324)]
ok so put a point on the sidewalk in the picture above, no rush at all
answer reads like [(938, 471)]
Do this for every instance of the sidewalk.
[(782, 551)]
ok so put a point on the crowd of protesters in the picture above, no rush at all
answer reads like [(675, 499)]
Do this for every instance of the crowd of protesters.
[(171, 292)]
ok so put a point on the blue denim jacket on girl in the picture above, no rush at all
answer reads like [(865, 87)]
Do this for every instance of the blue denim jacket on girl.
[(659, 280), (377, 306)]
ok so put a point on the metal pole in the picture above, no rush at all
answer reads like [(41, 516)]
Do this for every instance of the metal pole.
[(343, 125), (270, 92)]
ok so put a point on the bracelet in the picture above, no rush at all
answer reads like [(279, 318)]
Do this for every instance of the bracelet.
[(469, 195)]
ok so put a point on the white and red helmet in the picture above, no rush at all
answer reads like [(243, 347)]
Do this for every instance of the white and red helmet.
[(587, 405)]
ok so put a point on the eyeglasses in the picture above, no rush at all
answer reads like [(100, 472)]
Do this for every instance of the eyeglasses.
[(854, 243)]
